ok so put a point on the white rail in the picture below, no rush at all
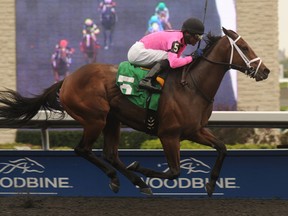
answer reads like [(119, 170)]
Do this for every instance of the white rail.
[(253, 119)]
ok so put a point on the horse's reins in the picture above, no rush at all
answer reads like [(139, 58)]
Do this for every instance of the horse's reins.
[(185, 83), (248, 70)]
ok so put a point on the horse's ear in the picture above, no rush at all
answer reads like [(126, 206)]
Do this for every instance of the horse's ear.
[(224, 30)]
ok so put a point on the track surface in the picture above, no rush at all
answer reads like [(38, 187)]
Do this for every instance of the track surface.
[(80, 206)]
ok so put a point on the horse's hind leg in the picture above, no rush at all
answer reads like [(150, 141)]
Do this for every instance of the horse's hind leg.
[(84, 149), (111, 134), (82, 96), (204, 136)]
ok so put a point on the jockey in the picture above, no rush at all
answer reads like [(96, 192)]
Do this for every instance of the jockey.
[(107, 4), (161, 8), (165, 48), (62, 46), (90, 28), (154, 24)]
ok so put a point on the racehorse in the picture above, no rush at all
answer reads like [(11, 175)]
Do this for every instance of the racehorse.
[(158, 23), (90, 96), (60, 64), (88, 47), (108, 21)]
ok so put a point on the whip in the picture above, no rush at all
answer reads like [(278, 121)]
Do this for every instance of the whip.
[(204, 17)]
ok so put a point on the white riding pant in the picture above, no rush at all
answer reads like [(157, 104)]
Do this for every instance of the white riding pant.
[(141, 56)]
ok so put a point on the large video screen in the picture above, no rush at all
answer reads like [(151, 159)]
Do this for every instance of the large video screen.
[(42, 24)]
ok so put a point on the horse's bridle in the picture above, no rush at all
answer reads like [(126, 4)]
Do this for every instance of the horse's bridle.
[(248, 69)]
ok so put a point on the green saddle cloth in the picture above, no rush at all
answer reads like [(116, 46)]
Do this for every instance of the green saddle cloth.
[(128, 78)]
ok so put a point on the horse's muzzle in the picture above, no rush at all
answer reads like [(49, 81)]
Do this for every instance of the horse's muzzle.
[(262, 74)]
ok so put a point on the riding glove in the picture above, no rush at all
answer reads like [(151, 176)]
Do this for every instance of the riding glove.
[(196, 54)]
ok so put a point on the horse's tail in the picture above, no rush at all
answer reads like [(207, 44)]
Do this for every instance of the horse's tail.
[(18, 109)]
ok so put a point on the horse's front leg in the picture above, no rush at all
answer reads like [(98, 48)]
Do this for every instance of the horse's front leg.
[(204, 136), (171, 147)]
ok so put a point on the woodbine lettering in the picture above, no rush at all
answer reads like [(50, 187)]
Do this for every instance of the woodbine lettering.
[(196, 183), (33, 182)]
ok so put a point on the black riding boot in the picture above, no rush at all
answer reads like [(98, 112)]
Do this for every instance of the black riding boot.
[(146, 82)]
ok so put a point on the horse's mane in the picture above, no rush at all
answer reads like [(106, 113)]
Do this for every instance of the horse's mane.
[(210, 41)]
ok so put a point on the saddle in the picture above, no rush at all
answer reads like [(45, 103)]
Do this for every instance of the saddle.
[(128, 78)]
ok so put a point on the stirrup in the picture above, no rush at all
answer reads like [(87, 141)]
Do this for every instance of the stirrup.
[(146, 84)]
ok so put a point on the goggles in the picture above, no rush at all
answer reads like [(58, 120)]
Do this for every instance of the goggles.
[(198, 37)]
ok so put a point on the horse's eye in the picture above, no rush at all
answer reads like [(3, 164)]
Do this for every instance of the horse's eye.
[(244, 49)]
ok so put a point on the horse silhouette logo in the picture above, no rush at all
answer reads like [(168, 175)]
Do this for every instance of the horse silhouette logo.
[(26, 165), (192, 165)]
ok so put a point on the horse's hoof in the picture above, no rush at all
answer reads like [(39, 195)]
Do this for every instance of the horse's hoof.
[(209, 189), (133, 166), (114, 185), (146, 191)]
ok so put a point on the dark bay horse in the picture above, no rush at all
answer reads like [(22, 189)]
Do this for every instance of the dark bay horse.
[(89, 48), (90, 96), (108, 20)]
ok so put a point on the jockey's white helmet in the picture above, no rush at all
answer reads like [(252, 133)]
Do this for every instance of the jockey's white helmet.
[(88, 22)]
